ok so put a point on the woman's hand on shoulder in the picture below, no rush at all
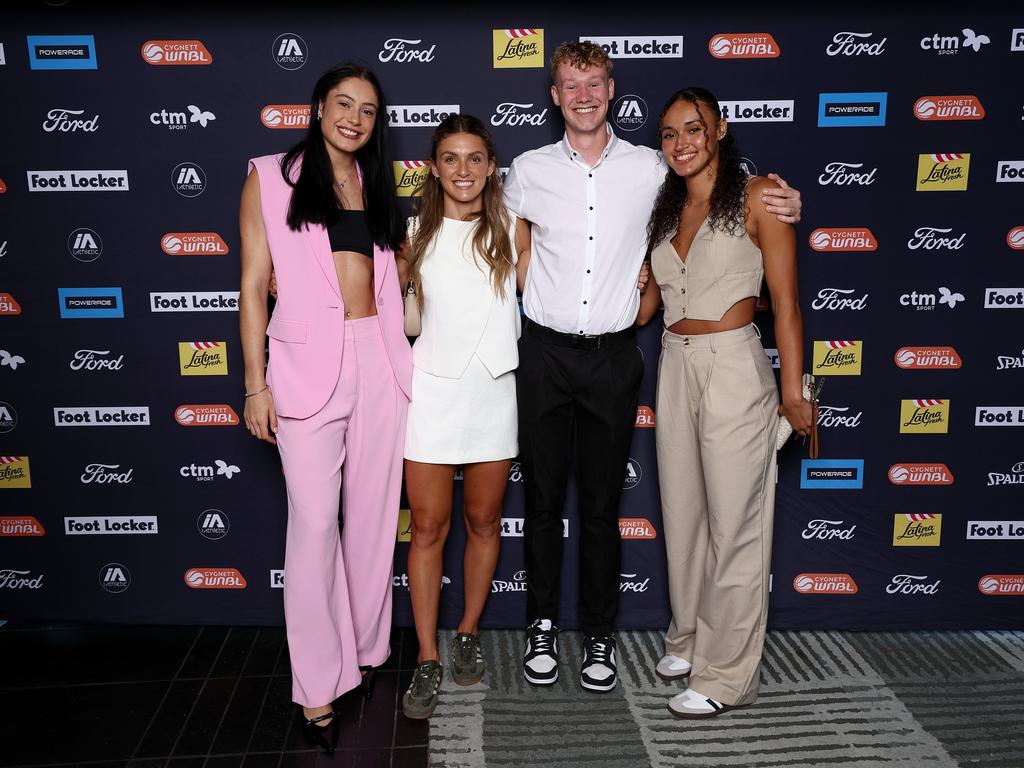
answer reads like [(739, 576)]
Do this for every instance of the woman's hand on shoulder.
[(778, 197)]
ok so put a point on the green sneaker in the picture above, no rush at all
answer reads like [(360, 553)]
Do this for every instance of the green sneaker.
[(420, 699), (467, 659)]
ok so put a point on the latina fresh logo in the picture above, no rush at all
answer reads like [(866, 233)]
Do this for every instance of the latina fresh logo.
[(916, 530), (924, 416), (840, 357), (943, 172), (14, 472), (518, 47), (409, 175), (203, 358)]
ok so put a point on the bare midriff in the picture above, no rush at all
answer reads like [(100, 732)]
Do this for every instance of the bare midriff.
[(355, 279), (738, 315)]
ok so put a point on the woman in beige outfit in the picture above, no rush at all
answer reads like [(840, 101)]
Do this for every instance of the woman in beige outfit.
[(711, 243)]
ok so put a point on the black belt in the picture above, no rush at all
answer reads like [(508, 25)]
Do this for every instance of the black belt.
[(577, 340)]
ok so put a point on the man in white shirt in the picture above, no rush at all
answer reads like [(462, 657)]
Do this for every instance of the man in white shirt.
[(587, 200)]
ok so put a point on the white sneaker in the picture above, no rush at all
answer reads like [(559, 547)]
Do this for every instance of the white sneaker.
[(672, 667), (598, 672), (540, 662), (691, 705)]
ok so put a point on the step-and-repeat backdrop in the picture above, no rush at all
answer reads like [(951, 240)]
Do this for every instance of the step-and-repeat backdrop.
[(129, 490)]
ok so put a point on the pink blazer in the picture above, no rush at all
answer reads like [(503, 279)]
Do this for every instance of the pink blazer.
[(308, 325)]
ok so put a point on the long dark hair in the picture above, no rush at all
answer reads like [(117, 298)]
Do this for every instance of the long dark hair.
[(491, 234), (313, 200), (727, 208)]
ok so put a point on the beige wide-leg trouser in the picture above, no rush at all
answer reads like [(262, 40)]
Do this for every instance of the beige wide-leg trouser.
[(717, 416)]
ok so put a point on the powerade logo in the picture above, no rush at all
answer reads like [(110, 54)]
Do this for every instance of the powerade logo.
[(832, 473), (61, 52), (90, 302), (848, 110)]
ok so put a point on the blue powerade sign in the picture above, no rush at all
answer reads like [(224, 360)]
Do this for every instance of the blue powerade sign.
[(61, 52)]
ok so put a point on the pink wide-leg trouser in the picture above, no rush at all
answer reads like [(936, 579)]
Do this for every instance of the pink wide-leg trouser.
[(337, 593)]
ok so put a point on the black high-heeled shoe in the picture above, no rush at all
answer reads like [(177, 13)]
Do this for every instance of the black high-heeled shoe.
[(318, 733), (366, 684)]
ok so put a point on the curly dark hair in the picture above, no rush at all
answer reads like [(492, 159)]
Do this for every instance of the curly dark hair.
[(728, 196)]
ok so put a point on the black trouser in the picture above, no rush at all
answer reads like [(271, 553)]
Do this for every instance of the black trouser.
[(575, 392)]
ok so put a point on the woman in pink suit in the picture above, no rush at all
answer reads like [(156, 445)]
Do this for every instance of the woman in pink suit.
[(323, 217)]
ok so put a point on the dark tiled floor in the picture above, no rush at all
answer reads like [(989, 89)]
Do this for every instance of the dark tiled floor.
[(185, 697)]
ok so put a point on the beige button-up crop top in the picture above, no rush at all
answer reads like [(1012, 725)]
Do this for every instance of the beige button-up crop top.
[(719, 270)]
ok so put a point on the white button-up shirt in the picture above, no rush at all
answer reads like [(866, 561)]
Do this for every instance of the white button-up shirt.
[(589, 232)]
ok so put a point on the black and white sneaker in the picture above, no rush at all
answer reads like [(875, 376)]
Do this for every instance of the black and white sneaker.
[(598, 672), (540, 662)]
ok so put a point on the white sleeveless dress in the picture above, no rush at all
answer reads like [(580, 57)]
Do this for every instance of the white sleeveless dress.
[(463, 407)]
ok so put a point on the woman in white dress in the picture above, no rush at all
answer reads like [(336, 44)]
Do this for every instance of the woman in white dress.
[(465, 252)]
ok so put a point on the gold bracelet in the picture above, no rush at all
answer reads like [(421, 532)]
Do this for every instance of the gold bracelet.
[(253, 394)]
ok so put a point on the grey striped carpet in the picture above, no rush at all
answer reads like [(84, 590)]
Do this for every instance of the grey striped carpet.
[(837, 699)]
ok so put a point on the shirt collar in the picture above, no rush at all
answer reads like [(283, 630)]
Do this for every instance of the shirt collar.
[(571, 153)]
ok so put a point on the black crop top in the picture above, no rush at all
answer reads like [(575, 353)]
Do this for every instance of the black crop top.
[(349, 231)]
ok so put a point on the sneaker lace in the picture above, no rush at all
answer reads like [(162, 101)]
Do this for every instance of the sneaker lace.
[(598, 649), (422, 681), (465, 650), (542, 641)]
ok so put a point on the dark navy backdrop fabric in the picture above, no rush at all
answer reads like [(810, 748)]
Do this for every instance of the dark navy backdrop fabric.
[(202, 508)]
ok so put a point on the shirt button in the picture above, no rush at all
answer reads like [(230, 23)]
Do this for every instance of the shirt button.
[(591, 207), (591, 237), (590, 175), (684, 290), (584, 301), (588, 271), (380, 302)]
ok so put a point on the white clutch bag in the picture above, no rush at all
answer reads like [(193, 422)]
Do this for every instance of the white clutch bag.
[(811, 390)]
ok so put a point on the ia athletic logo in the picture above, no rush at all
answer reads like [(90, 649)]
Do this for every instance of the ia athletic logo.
[(213, 524), (188, 180), (630, 112), (290, 51), (85, 244), (634, 473), (8, 418), (115, 578)]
